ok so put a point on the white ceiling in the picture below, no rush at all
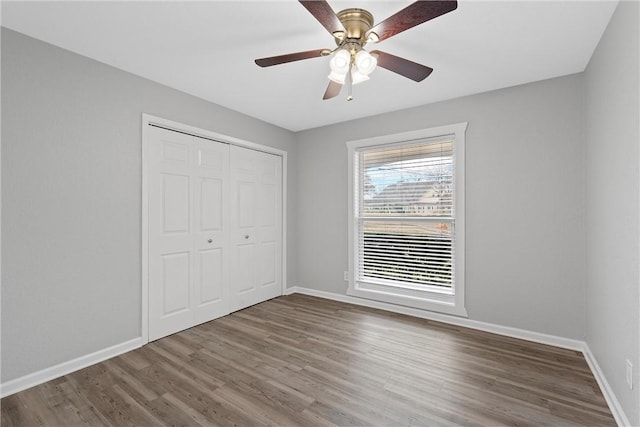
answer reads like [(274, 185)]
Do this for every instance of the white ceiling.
[(207, 48)]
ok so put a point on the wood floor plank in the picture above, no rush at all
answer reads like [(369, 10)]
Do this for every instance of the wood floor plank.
[(299, 360)]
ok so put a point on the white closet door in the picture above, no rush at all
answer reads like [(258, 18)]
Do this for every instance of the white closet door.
[(188, 242), (256, 227), (269, 222), (211, 236)]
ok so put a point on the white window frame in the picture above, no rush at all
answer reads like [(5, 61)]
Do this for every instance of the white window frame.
[(432, 300)]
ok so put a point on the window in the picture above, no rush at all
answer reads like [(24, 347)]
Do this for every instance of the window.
[(406, 218)]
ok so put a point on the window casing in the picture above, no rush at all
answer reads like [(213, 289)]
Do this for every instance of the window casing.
[(406, 219)]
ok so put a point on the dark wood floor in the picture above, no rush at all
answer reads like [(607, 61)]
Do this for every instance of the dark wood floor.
[(299, 360)]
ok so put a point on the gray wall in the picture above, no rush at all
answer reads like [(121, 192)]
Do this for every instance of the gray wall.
[(71, 189), (524, 212), (612, 177)]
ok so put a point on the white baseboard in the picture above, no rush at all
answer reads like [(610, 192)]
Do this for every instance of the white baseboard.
[(609, 395), (48, 374), (553, 340)]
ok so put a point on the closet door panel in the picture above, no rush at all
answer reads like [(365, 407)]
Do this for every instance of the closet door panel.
[(211, 280), (243, 206), (176, 269), (170, 233), (257, 226), (269, 170), (211, 237), (188, 240)]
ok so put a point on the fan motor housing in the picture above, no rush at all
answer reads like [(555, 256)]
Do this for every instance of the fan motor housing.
[(357, 22)]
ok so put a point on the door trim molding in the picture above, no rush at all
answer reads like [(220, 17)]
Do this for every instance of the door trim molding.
[(149, 120)]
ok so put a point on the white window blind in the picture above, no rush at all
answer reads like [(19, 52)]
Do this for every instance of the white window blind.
[(405, 214)]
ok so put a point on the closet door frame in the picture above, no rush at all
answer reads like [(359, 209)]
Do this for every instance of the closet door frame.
[(149, 120)]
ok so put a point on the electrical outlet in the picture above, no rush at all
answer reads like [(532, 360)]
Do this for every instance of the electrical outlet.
[(629, 374), (346, 276)]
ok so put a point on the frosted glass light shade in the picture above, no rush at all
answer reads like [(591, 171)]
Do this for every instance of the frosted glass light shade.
[(340, 62), (337, 77), (357, 76), (365, 62)]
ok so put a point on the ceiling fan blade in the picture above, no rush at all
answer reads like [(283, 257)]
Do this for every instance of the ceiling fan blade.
[(404, 67), (321, 10), (290, 57), (332, 90), (412, 15)]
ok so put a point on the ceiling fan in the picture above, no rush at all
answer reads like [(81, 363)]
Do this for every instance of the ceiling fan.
[(352, 29)]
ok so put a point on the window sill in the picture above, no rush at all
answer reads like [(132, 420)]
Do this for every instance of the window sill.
[(432, 301)]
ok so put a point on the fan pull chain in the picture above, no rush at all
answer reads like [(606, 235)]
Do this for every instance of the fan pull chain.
[(349, 85)]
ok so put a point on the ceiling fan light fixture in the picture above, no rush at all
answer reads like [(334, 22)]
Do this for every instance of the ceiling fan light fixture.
[(352, 29), (365, 62), (340, 62)]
